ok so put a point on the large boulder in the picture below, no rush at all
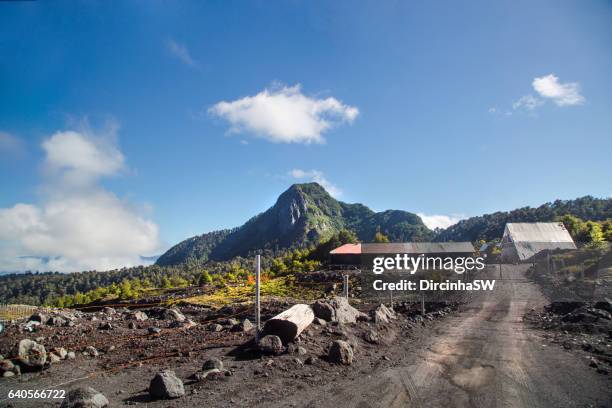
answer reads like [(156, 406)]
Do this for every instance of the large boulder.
[(166, 385), (84, 397), (337, 310), (340, 352), (271, 344), (324, 311), (31, 354), (382, 314)]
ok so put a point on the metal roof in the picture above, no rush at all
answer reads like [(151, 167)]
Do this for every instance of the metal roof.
[(418, 248), (539, 232), (530, 238), (353, 249), (526, 250)]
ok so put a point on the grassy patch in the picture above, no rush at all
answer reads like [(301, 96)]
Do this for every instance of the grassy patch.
[(283, 287)]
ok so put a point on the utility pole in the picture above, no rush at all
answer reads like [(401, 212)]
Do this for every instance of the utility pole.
[(345, 283), (257, 298)]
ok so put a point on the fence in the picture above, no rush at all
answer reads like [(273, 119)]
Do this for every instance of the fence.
[(17, 312)]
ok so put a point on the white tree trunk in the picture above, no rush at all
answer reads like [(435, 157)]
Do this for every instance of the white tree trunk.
[(290, 323)]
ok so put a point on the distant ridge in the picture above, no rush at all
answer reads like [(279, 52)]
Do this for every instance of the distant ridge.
[(302, 215), (306, 213)]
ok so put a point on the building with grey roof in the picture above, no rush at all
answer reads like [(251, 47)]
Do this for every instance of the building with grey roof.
[(524, 240)]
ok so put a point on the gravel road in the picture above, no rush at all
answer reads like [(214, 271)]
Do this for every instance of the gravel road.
[(483, 357)]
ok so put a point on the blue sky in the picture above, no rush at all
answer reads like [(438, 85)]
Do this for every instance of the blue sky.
[(440, 108)]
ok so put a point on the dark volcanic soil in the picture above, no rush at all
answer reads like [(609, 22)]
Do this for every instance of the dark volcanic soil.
[(129, 357), (483, 355)]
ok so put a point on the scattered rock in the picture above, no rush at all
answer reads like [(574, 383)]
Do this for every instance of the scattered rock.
[(229, 322), (166, 385), (105, 326), (60, 352), (382, 314), (7, 366), (139, 316), (154, 330), (32, 354), (311, 360), (319, 321), (244, 326), (371, 336), (340, 352), (57, 321), (108, 311), (132, 325), (214, 327), (54, 358), (211, 363), (271, 344), (323, 311), (84, 397), (210, 373), (39, 317), (337, 310), (173, 314), (91, 351), (71, 355)]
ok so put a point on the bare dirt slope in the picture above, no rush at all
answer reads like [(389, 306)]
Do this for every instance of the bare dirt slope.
[(483, 357)]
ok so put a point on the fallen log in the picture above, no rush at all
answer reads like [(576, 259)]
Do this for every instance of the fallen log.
[(290, 323)]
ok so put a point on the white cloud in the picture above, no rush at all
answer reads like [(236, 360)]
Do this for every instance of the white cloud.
[(78, 225), (440, 221), (82, 156), (181, 52), (10, 144), (567, 94), (528, 102), (492, 110), (318, 177), (285, 115)]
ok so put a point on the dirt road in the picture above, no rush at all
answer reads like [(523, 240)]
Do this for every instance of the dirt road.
[(483, 357)]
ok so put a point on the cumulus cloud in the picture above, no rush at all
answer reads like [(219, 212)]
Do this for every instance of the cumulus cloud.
[(563, 94), (439, 221), (78, 225), (528, 102), (548, 87), (81, 157), (181, 52), (285, 115), (318, 177)]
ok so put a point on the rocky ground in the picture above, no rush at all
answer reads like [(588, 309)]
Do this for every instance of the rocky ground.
[(191, 356), (580, 327)]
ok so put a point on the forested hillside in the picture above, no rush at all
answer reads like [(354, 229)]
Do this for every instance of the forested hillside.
[(491, 226), (302, 216)]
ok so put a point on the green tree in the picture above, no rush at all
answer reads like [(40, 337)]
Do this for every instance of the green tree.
[(379, 237), (205, 278)]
